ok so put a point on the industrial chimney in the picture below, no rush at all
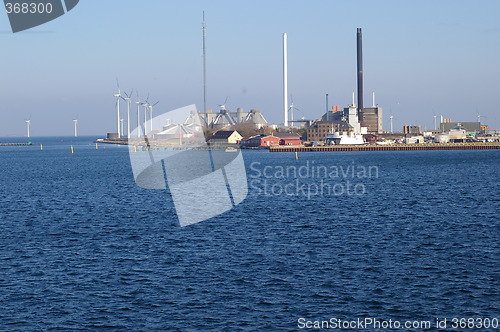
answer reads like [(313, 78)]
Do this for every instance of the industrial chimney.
[(285, 80), (360, 71)]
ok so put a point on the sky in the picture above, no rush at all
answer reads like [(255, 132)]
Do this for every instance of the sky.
[(421, 58)]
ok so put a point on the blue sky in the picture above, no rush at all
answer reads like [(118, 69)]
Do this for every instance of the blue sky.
[(420, 57)]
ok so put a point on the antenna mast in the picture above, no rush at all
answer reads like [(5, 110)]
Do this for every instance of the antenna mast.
[(204, 67)]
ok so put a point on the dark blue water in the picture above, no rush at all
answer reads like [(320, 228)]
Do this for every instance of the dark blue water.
[(83, 248)]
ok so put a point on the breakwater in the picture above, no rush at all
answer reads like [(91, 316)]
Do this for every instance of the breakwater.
[(388, 147)]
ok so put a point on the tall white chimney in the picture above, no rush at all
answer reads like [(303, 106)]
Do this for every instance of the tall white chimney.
[(285, 81)]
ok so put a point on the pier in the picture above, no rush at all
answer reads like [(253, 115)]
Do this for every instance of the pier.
[(15, 144), (389, 147)]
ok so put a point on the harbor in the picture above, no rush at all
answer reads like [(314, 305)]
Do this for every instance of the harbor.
[(250, 166), (355, 127), (389, 147)]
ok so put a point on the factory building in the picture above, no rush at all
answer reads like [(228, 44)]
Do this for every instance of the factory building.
[(354, 120), (371, 118), (412, 130), (319, 129), (225, 118), (470, 127)]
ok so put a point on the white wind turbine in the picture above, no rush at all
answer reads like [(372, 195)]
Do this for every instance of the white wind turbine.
[(75, 123), (28, 125), (151, 114), (127, 99), (118, 96), (223, 106), (291, 108), (145, 105), (139, 103), (479, 117), (121, 124)]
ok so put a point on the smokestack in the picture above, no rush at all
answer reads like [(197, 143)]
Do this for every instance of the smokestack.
[(327, 107), (360, 70), (285, 80)]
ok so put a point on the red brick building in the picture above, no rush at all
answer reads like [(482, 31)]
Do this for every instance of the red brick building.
[(288, 139), (260, 141)]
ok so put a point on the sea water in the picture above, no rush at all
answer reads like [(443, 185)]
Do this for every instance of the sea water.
[(82, 247)]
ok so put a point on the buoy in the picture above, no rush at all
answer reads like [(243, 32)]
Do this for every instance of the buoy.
[(72, 150), (96, 146), (41, 147), (296, 155)]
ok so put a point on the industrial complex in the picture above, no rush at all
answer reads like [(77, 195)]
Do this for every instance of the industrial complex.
[(354, 124)]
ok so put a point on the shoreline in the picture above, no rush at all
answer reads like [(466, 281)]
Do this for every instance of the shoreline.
[(339, 148), (390, 147)]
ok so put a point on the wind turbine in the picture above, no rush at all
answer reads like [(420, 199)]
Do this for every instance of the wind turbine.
[(127, 99), (291, 108), (28, 125), (118, 96), (479, 117), (121, 123), (145, 105), (139, 103), (151, 113), (75, 122), (223, 106)]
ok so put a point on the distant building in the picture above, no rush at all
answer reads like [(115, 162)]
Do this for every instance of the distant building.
[(255, 118), (288, 139), (225, 118), (333, 114), (226, 137), (371, 118), (348, 120), (222, 120), (412, 130), (260, 141), (370, 138), (176, 131), (112, 136), (414, 139), (470, 127), (318, 130)]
